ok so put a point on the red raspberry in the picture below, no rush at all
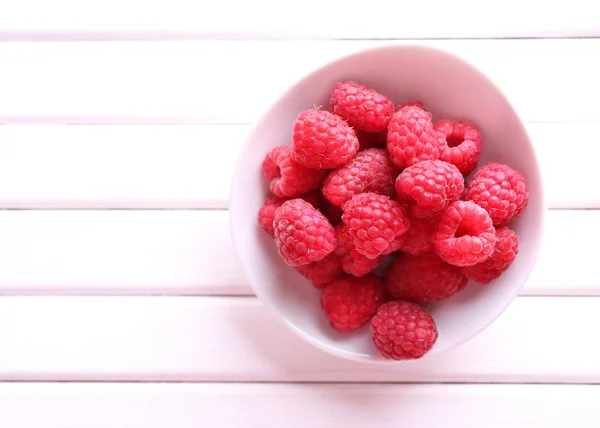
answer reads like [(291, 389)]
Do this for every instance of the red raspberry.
[(375, 223), (411, 137), (403, 331), (322, 272), (286, 177), (410, 103), (322, 140), (370, 171), (428, 187), (500, 190), (461, 144), (364, 108), (465, 235), (349, 303), (302, 234), (352, 261), (266, 214), (417, 238), (371, 140), (423, 279), (505, 252)]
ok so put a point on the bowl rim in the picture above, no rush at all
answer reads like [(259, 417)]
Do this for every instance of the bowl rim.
[(541, 197)]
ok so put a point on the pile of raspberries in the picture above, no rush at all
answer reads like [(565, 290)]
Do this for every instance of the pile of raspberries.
[(368, 181)]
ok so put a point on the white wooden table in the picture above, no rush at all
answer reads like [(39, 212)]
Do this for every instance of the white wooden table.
[(123, 305)]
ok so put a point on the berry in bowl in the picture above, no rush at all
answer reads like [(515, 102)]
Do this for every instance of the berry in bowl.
[(388, 206)]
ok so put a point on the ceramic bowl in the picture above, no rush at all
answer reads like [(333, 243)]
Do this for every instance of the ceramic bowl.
[(450, 88)]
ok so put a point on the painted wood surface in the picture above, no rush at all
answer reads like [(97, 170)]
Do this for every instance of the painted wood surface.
[(120, 121)]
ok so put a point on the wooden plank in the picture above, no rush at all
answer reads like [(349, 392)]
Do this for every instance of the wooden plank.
[(190, 166), (191, 253), (562, 151), (237, 339), (265, 20), (234, 81), (118, 252), (117, 166), (296, 405)]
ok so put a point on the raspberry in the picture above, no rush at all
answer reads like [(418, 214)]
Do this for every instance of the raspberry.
[(417, 238), (302, 234), (423, 279), (371, 140), (370, 171), (500, 190), (266, 214), (352, 261), (505, 252), (364, 108), (465, 235), (428, 187), (286, 177), (411, 103), (403, 331), (349, 303), (322, 272), (411, 137), (461, 144), (375, 223), (322, 140)]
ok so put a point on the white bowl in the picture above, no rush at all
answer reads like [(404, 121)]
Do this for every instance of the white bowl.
[(450, 88)]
